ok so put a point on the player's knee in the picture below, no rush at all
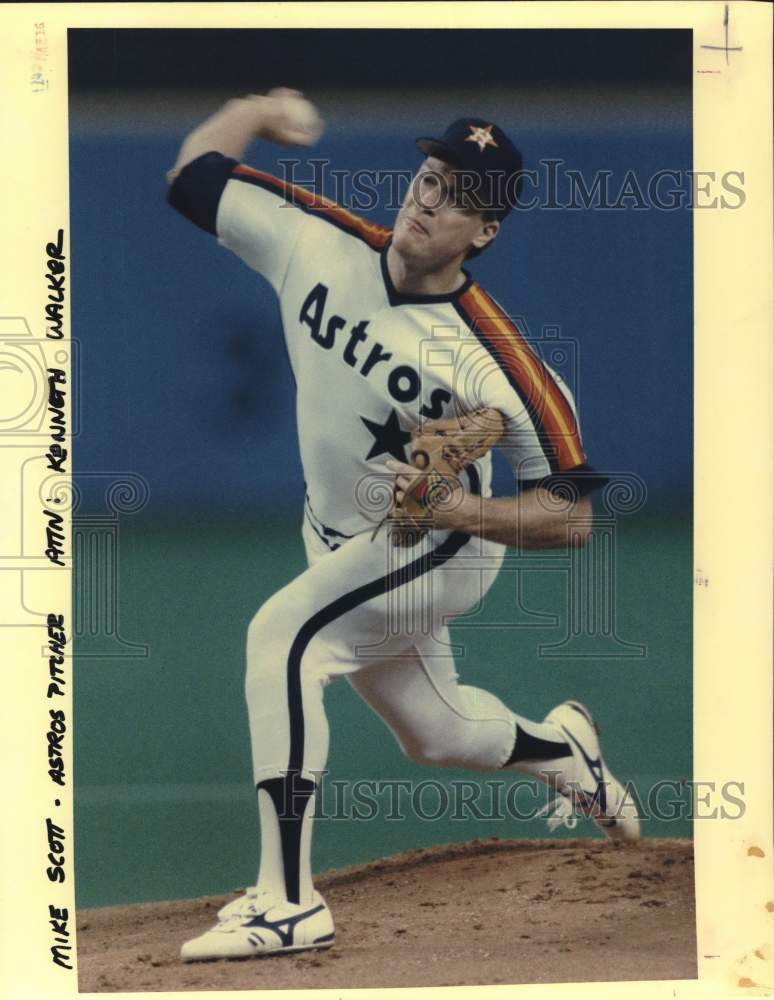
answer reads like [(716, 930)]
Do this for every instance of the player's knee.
[(257, 628), (429, 756), (267, 642), (271, 640), (271, 623), (432, 752)]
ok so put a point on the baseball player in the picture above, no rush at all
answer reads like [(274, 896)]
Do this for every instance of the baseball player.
[(387, 333)]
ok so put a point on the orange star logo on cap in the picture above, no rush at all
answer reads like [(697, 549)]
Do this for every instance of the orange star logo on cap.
[(481, 136)]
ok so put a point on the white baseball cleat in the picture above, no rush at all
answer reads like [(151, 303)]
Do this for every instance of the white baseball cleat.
[(587, 787), (260, 924)]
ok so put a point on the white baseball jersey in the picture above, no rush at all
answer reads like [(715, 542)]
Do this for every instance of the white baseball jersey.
[(371, 363)]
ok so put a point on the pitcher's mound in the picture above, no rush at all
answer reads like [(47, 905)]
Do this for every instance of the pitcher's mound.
[(489, 911)]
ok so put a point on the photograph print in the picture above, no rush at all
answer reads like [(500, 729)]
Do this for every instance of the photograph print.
[(384, 561)]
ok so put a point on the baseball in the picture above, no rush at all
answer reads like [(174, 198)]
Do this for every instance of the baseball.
[(295, 116)]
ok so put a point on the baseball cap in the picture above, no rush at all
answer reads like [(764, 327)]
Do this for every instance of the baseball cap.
[(480, 149)]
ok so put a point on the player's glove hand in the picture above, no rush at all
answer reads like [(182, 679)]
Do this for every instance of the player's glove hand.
[(440, 450), (288, 118)]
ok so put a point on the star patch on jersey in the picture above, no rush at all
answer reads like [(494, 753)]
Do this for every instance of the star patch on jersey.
[(389, 438), (482, 136)]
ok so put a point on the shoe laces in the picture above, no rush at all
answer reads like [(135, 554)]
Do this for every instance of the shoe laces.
[(235, 911)]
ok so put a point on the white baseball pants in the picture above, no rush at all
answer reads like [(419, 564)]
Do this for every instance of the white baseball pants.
[(379, 615)]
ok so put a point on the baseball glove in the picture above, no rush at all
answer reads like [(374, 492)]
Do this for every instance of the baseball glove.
[(440, 450)]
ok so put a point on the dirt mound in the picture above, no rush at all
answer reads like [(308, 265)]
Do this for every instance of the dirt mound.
[(489, 911)]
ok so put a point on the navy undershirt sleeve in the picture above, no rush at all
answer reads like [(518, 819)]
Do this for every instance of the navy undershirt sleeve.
[(196, 190), (583, 477)]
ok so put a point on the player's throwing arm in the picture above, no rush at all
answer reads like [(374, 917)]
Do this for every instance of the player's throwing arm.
[(282, 116)]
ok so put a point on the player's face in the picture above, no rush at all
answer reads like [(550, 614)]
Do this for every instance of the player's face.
[(435, 225)]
